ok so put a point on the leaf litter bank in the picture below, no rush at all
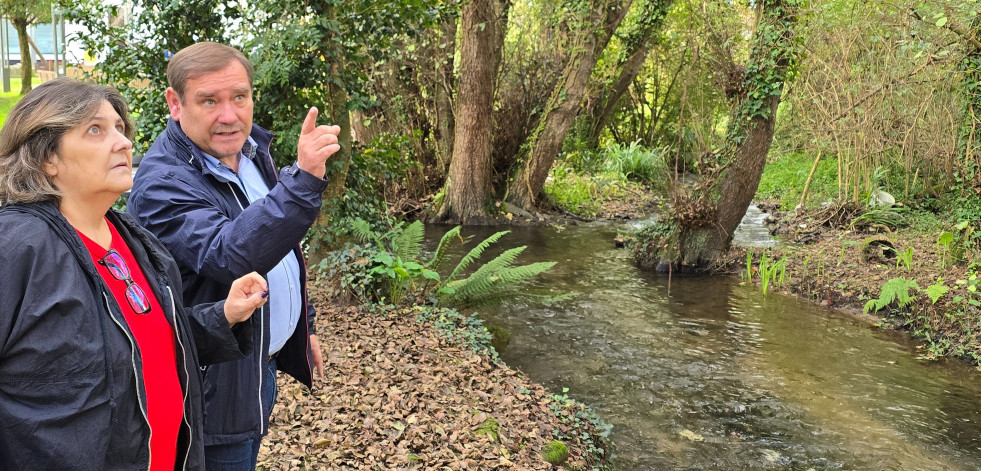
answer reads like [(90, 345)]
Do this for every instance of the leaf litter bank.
[(398, 394)]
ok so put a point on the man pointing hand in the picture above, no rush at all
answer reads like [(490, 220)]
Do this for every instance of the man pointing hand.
[(209, 190), (316, 144)]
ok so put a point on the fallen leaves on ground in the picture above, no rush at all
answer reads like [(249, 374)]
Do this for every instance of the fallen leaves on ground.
[(399, 396)]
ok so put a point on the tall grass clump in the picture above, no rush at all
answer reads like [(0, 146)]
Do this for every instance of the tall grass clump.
[(635, 162)]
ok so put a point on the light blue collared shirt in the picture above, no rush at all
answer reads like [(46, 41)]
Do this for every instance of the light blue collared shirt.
[(285, 300)]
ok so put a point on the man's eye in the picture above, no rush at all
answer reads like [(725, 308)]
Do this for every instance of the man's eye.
[(209, 102)]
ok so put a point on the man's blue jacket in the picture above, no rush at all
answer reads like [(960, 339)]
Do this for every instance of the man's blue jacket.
[(216, 236)]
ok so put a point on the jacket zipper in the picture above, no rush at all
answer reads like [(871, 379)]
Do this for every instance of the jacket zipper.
[(136, 377), (262, 335), (187, 377)]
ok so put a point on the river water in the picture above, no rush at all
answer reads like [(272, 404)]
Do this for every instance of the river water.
[(700, 373)]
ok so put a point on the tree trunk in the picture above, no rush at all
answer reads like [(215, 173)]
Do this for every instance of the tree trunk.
[(26, 64), (339, 163), (705, 237), (468, 186), (641, 40), (564, 104), (445, 121), (608, 104)]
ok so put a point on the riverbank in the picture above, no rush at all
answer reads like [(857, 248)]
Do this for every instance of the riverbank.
[(911, 275), (400, 395)]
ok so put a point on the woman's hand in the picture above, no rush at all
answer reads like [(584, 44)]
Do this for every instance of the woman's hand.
[(247, 294)]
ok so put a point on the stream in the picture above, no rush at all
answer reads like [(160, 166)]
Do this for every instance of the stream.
[(703, 373)]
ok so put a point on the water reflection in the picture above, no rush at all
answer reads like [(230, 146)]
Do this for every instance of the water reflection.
[(712, 375)]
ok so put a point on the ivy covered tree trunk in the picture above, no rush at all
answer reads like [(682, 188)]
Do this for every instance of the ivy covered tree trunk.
[(701, 222), (566, 99), (339, 163), (468, 186), (638, 44)]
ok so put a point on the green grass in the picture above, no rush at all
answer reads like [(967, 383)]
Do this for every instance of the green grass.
[(784, 178), (9, 99)]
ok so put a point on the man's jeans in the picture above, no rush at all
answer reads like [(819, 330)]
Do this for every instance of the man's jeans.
[(242, 456)]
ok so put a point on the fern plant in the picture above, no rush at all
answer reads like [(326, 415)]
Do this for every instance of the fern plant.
[(936, 290), (395, 262), (398, 267), (895, 290), (492, 282)]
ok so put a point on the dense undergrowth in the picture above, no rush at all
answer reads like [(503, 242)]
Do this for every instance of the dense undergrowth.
[(587, 183)]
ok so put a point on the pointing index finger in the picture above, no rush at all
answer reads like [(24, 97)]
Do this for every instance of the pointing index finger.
[(310, 122)]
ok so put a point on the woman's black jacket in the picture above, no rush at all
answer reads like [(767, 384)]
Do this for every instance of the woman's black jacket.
[(71, 378)]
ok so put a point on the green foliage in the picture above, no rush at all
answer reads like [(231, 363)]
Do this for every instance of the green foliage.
[(302, 62), (578, 416), (492, 282), (131, 57), (583, 180), (30, 11), (578, 194), (302, 52), (555, 452), (656, 240), (770, 272), (895, 290), (955, 245), (936, 290), (350, 266), (489, 427), (363, 197), (773, 61), (881, 217), (394, 261), (971, 287), (905, 259), (120, 204), (634, 162), (468, 331), (784, 178), (397, 268), (21, 15)]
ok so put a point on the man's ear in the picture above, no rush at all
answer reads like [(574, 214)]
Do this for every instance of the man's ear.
[(174, 103)]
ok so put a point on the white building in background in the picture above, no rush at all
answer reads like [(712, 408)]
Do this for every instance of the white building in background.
[(43, 36)]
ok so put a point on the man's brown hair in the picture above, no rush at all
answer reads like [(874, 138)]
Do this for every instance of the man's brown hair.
[(202, 58)]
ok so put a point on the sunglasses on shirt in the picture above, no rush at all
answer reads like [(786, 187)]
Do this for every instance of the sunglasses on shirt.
[(137, 299)]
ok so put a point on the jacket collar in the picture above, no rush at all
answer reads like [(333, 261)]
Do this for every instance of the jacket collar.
[(194, 156), (125, 225)]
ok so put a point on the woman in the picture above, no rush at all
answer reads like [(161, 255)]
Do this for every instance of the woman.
[(99, 367)]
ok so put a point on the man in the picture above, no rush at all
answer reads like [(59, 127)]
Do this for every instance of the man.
[(208, 189)]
